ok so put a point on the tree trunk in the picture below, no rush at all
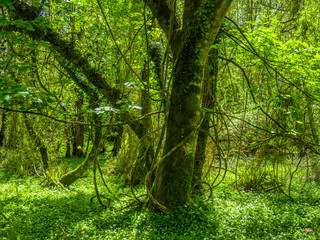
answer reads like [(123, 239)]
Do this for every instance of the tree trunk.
[(174, 173), (312, 124), (115, 136), (3, 128), (190, 48), (200, 155), (68, 149), (208, 102), (146, 152), (117, 141), (70, 177), (13, 131), (78, 133), (39, 144)]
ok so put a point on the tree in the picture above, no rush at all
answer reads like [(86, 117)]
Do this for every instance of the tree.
[(190, 44)]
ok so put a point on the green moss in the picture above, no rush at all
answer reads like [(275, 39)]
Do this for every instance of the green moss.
[(70, 177)]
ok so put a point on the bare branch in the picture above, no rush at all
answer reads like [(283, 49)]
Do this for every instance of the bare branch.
[(83, 123)]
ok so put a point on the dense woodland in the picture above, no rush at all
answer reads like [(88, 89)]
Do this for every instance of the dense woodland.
[(174, 102)]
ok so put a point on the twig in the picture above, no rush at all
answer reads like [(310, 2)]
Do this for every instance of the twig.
[(81, 123), (64, 232)]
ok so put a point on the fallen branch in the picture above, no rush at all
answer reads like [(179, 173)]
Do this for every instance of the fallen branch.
[(274, 187)]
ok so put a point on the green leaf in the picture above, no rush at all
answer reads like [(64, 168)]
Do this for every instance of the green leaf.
[(106, 109), (45, 44), (7, 3)]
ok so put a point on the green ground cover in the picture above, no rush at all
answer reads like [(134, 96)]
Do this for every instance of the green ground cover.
[(31, 210)]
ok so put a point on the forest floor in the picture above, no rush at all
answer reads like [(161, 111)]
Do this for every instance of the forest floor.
[(30, 210)]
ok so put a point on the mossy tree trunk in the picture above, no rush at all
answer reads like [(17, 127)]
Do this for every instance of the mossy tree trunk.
[(191, 43), (174, 173), (72, 176), (78, 132), (117, 142), (146, 152), (13, 130), (39, 143), (208, 102), (68, 145)]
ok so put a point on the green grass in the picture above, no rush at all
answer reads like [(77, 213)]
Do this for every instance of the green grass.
[(33, 211)]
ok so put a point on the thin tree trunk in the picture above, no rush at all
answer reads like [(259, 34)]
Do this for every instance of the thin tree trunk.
[(312, 124), (117, 141), (78, 132), (315, 163), (12, 131), (67, 130), (146, 151), (68, 149), (208, 102), (70, 177), (3, 128), (39, 144)]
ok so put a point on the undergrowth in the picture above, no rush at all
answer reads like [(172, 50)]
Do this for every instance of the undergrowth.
[(30, 210)]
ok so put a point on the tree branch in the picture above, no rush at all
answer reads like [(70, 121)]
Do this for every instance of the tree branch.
[(81, 123), (64, 48), (162, 12), (212, 21), (72, 56), (267, 62)]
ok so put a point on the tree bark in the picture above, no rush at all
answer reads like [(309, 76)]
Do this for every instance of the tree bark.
[(174, 172), (68, 149), (70, 177), (45, 160), (117, 141), (13, 131), (3, 127), (78, 133), (146, 152), (208, 102)]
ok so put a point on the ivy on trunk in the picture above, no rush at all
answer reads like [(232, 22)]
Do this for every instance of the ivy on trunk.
[(191, 43)]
